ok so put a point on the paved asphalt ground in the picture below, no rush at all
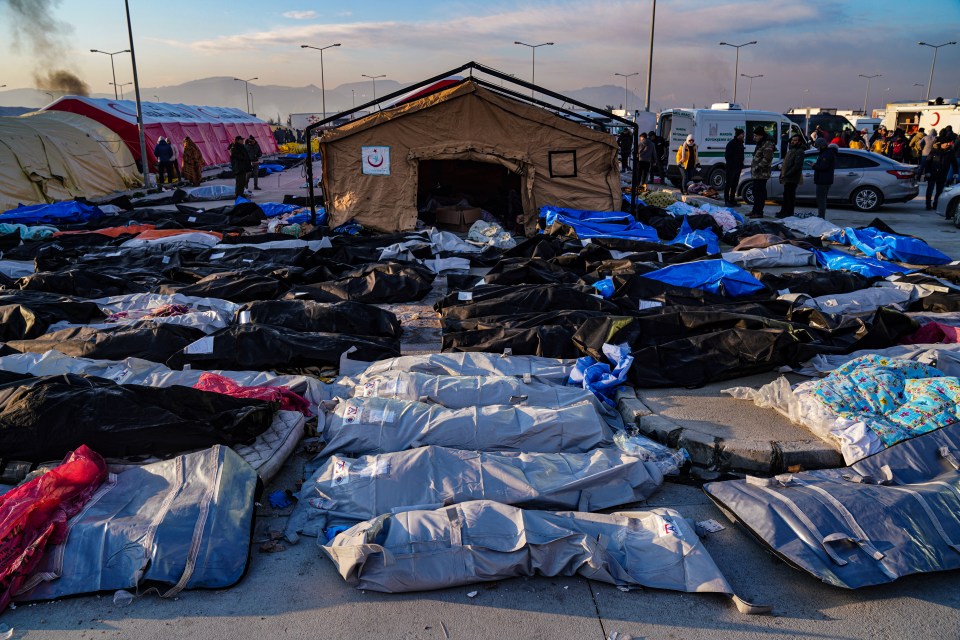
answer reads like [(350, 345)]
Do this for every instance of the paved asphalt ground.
[(296, 593)]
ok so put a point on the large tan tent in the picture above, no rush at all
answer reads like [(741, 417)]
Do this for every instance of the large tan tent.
[(47, 156), (377, 169)]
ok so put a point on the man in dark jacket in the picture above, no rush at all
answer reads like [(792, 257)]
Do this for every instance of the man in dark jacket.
[(253, 150), (164, 155), (823, 170), (625, 143), (240, 164), (645, 152), (791, 175), (733, 159)]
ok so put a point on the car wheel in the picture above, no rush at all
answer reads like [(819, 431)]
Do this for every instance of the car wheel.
[(718, 178), (747, 193), (867, 199)]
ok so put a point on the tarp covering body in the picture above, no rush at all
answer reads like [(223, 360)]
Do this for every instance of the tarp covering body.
[(346, 490), (481, 541), (889, 515), (184, 522), (559, 162), (378, 425)]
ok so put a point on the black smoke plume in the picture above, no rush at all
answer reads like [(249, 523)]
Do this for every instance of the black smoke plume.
[(35, 28)]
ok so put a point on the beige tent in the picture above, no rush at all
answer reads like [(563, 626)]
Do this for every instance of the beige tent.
[(376, 169), (48, 156)]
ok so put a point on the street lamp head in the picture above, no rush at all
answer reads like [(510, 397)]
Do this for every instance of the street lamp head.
[(517, 42), (550, 43), (335, 45), (924, 44), (752, 42), (95, 51), (726, 43), (304, 46)]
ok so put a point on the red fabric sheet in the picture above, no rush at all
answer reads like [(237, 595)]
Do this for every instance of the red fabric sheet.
[(933, 333), (34, 515), (289, 401)]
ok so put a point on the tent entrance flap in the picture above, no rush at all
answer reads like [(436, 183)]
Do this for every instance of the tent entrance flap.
[(487, 185)]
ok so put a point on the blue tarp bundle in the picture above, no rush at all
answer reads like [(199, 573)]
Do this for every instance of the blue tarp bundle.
[(834, 260), (272, 168), (299, 156), (714, 276), (876, 244), (697, 238), (599, 224), (270, 209), (58, 212), (599, 377), (305, 217)]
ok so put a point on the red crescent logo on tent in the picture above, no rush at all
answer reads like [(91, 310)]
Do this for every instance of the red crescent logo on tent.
[(375, 160), (937, 121), (121, 109)]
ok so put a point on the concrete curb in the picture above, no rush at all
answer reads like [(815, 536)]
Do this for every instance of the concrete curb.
[(708, 450)]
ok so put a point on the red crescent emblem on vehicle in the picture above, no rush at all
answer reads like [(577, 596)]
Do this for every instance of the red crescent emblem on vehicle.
[(937, 121)]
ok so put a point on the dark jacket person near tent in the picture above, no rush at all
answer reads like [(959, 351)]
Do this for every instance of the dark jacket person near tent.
[(240, 163), (625, 143), (733, 159), (164, 154), (791, 175), (823, 170)]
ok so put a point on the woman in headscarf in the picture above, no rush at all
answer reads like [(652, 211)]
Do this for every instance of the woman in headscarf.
[(192, 162)]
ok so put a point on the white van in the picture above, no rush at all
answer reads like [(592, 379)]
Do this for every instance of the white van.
[(870, 124), (712, 129)]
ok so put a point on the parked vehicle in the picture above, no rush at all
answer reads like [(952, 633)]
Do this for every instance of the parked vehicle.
[(910, 116), (870, 124), (826, 121), (863, 179), (948, 205), (712, 129)]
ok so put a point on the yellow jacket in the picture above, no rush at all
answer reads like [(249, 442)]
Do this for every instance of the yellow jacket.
[(856, 144), (879, 146), (687, 156)]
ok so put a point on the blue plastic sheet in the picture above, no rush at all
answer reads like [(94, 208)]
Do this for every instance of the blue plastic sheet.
[(270, 209), (351, 228), (272, 168), (35, 232), (833, 260), (604, 287), (58, 212), (300, 218), (878, 244), (599, 224), (714, 276), (698, 238), (599, 377)]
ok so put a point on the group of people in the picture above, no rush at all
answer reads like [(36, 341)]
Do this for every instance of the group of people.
[(168, 165), (285, 136), (245, 163), (651, 152)]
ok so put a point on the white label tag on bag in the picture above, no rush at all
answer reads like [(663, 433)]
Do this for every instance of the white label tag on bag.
[(245, 317), (217, 256), (464, 295), (192, 219), (200, 347), (165, 260), (649, 304)]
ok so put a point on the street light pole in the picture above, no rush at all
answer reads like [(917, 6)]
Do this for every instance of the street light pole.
[(252, 110), (113, 69), (136, 88), (653, 19), (374, 78), (533, 59), (625, 76), (736, 66), (246, 90), (921, 85), (867, 93), (750, 90), (935, 48), (121, 86), (323, 86)]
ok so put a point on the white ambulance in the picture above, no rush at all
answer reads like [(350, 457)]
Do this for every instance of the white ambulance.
[(712, 129), (910, 115)]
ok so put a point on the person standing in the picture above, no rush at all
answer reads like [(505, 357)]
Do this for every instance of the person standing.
[(823, 169), (760, 169), (916, 143), (926, 146), (733, 158), (625, 144), (164, 155), (253, 150), (857, 141), (878, 141), (687, 162), (791, 175), (937, 167), (644, 158), (192, 162), (240, 164)]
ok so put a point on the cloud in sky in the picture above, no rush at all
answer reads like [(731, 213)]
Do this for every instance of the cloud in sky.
[(299, 15)]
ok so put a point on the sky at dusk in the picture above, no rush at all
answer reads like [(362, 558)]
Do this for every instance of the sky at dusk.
[(809, 52)]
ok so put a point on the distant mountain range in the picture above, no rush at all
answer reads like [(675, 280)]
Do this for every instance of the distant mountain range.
[(273, 101)]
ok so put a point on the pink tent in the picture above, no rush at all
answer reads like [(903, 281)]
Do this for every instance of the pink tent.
[(212, 128)]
